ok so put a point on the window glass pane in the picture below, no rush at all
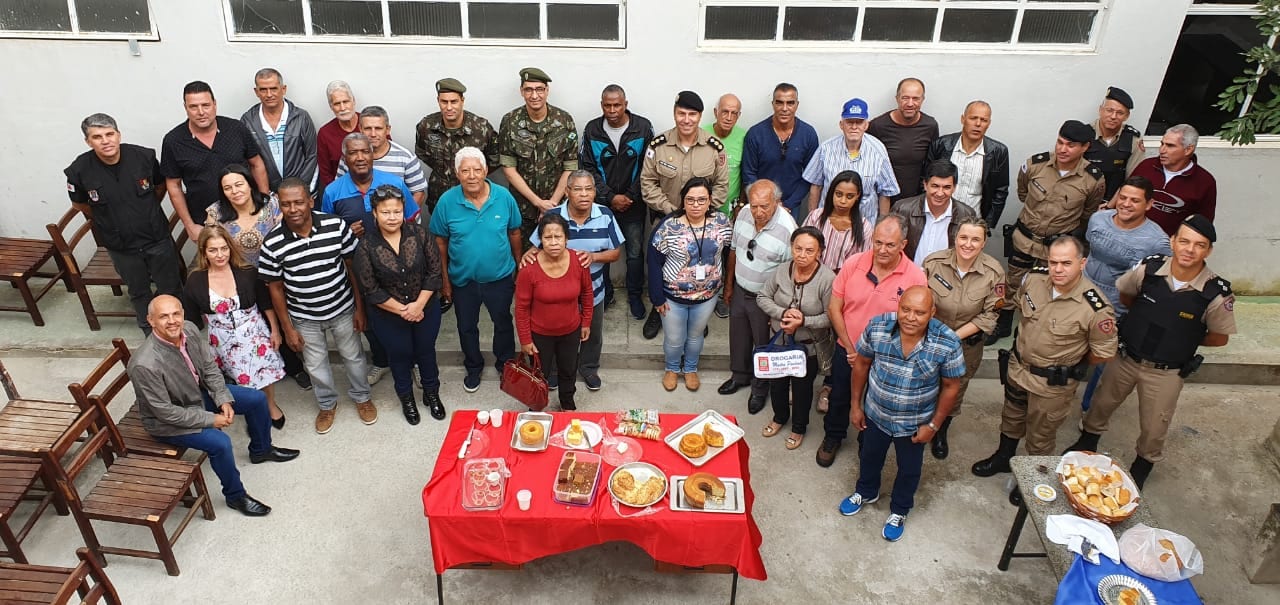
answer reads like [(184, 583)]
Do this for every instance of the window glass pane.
[(503, 20), (582, 21), (1056, 27), (267, 17), (1204, 61), (899, 24), (960, 25), (345, 18), (126, 16), (426, 19), (742, 22), (37, 15), (817, 23)]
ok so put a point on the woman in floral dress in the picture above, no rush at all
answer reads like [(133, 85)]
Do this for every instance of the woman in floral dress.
[(226, 291)]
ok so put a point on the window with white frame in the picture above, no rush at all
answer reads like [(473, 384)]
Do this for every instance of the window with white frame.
[(1209, 54), (524, 22), (944, 24), (93, 19)]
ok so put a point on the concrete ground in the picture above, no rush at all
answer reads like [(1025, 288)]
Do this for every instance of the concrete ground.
[(348, 526)]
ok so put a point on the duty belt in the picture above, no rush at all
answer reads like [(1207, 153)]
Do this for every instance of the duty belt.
[(1031, 235), (1148, 363), (1037, 370)]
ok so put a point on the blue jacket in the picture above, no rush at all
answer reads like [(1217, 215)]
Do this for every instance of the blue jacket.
[(616, 170)]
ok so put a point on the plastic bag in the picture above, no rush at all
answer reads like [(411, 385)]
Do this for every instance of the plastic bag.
[(1160, 554)]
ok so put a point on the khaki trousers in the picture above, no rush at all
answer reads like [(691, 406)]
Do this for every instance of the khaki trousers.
[(1158, 392), (1034, 417)]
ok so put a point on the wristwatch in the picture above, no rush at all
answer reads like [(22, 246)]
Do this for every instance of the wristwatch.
[(935, 429)]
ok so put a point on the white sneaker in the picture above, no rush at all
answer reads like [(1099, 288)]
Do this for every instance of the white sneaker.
[(376, 373)]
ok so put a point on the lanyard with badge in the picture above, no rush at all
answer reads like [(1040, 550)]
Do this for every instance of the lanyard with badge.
[(699, 269)]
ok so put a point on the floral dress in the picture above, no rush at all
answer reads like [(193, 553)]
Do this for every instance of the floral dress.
[(250, 240), (241, 340)]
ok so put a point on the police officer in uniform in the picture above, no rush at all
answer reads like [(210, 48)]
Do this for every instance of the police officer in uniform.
[(680, 154), (443, 133), (968, 291), (538, 148), (119, 188), (1067, 325), (1118, 147), (1176, 305), (1059, 190)]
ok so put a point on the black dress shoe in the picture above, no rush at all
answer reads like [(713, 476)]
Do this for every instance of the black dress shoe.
[(731, 386), (1015, 497), (410, 407), (275, 454), (757, 402), (278, 423), (434, 405), (652, 325), (249, 506), (939, 448)]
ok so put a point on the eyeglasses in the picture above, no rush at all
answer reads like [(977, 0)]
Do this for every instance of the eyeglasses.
[(386, 191), (534, 90), (696, 201), (783, 144), (751, 249)]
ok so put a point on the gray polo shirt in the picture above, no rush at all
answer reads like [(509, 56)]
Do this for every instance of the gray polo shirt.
[(768, 247), (168, 388)]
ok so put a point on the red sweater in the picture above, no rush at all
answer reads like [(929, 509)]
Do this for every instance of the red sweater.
[(1192, 192), (329, 151), (552, 306)]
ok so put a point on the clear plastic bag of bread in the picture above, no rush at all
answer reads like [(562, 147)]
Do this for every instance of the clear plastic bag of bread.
[(1160, 554), (1097, 483)]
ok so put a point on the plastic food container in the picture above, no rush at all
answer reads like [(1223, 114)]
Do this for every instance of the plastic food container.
[(577, 478), (484, 483)]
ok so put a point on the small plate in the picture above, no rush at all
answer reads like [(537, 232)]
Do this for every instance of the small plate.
[(613, 454), (1045, 492), (642, 471), (590, 430), (1110, 587)]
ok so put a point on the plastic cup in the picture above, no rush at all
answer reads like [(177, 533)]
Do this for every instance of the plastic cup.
[(523, 498), (483, 417), (495, 416)]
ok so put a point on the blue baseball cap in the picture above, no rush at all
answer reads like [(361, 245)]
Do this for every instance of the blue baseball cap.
[(855, 109)]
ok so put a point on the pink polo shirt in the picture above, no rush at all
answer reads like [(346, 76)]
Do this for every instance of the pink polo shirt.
[(863, 297)]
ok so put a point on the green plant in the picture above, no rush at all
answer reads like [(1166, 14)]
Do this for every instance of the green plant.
[(1262, 117)]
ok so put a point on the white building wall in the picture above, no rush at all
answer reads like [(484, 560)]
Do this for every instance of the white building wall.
[(48, 86)]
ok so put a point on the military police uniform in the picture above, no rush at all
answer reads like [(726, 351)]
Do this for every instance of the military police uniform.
[(1159, 338), (667, 167), (1119, 156), (437, 145), (540, 151)]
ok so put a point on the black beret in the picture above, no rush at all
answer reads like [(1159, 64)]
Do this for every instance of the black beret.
[(1202, 225), (1120, 96), (1077, 132), (688, 99)]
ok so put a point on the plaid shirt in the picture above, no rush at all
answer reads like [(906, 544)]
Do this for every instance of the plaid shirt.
[(902, 389)]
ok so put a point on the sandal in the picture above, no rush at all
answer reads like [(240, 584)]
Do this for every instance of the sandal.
[(794, 440), (771, 429)]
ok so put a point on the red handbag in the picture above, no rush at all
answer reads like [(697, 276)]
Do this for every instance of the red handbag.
[(525, 383)]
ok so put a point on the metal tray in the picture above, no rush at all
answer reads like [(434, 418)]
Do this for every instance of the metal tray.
[(540, 417), (732, 433), (642, 471), (1110, 587), (735, 499)]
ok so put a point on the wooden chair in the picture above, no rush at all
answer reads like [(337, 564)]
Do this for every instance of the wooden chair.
[(21, 260), (17, 484), (135, 490), (57, 585)]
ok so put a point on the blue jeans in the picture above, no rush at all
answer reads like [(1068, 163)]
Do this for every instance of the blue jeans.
[(633, 233), (410, 344), (251, 404), (315, 355), (1087, 399), (496, 296), (682, 333), (874, 449)]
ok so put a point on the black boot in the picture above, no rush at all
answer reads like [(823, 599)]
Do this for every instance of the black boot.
[(1004, 327), (1140, 470), (999, 461), (434, 405), (652, 325), (1088, 442), (938, 446), (410, 407)]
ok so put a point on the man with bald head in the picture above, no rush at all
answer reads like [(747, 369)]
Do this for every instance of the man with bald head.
[(906, 132), (909, 364), (184, 401), (725, 127), (982, 163)]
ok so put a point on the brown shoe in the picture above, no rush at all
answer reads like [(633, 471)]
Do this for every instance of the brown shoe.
[(368, 413), (823, 396), (324, 421), (669, 381), (691, 381)]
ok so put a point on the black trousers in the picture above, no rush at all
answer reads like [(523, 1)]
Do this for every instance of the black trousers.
[(156, 263), (559, 354), (800, 390)]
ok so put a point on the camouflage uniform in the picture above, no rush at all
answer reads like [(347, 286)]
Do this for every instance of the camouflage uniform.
[(540, 152), (437, 145)]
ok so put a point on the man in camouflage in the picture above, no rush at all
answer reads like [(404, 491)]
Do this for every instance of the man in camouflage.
[(538, 148), (442, 134)]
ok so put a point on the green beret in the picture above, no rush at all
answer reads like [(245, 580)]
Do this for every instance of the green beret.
[(533, 74), (450, 85)]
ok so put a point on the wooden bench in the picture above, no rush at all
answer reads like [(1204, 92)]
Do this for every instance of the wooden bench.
[(21, 260), (57, 585)]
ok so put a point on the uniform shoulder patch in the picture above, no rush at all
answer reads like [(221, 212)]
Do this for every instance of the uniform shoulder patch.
[(1154, 258), (1094, 171), (1040, 269), (658, 140), (1041, 158), (1095, 299), (715, 143), (1131, 130)]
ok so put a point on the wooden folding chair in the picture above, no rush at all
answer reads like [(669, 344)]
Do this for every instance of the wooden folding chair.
[(99, 272), (21, 260), (57, 585), (18, 475)]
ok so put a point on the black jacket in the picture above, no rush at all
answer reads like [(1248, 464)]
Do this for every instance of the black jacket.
[(617, 170), (995, 172)]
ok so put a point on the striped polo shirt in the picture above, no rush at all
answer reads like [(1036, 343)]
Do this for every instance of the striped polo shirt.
[(872, 164), (903, 386), (771, 247), (400, 162), (311, 267), (600, 233)]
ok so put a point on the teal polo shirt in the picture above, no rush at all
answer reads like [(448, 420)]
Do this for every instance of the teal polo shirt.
[(479, 249)]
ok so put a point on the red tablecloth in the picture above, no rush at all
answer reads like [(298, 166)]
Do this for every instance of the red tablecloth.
[(512, 536)]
